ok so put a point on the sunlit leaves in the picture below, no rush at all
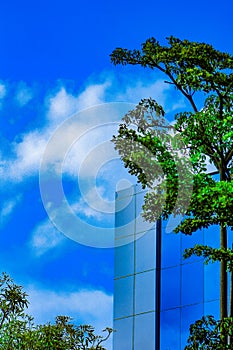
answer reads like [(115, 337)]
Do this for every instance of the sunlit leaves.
[(190, 65), (207, 134)]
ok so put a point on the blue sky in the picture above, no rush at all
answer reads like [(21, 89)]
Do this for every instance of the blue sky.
[(54, 63)]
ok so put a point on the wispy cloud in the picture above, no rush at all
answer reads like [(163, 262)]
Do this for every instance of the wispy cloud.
[(28, 148), (8, 208), (23, 94), (2, 90), (63, 104), (45, 237), (139, 89), (82, 208)]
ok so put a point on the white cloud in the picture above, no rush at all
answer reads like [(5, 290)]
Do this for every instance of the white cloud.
[(93, 307), (45, 237), (8, 207), (81, 207), (61, 105), (156, 90), (92, 203), (23, 94), (27, 157), (29, 151), (93, 95), (2, 90)]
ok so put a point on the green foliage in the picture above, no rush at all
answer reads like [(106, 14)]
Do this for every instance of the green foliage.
[(207, 333), (171, 161), (148, 148), (18, 331), (13, 300), (191, 66), (157, 157), (211, 254)]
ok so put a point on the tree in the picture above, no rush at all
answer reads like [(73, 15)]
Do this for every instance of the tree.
[(204, 134), (13, 300), (18, 331)]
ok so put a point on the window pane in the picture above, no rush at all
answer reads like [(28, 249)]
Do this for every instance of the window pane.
[(171, 249), (192, 283), (189, 315), (124, 260), (145, 292), (125, 216), (170, 329), (212, 236), (126, 192), (140, 224), (123, 297), (123, 334), (172, 222), (145, 251), (230, 238), (212, 308), (144, 336), (211, 282), (170, 288), (189, 242)]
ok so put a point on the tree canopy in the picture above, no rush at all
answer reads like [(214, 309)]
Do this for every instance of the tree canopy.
[(171, 160)]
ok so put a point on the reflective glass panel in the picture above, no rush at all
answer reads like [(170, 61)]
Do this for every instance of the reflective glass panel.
[(189, 315), (212, 308), (192, 290), (123, 335), (211, 281), (145, 292), (123, 297), (145, 251), (170, 288), (125, 216), (140, 224), (230, 237), (212, 236), (171, 249), (124, 260), (144, 334), (170, 329), (126, 192), (189, 242)]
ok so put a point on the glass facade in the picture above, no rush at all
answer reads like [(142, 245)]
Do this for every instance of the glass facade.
[(157, 293)]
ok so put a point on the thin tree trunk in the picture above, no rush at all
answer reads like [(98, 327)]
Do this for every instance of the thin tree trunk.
[(231, 292), (231, 300), (223, 274), (223, 264)]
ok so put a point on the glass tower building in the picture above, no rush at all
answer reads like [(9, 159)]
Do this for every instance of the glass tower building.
[(158, 294)]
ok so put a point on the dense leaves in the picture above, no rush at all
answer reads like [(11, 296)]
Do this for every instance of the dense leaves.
[(204, 135), (208, 333)]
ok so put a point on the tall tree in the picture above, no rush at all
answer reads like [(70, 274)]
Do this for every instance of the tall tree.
[(206, 134)]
